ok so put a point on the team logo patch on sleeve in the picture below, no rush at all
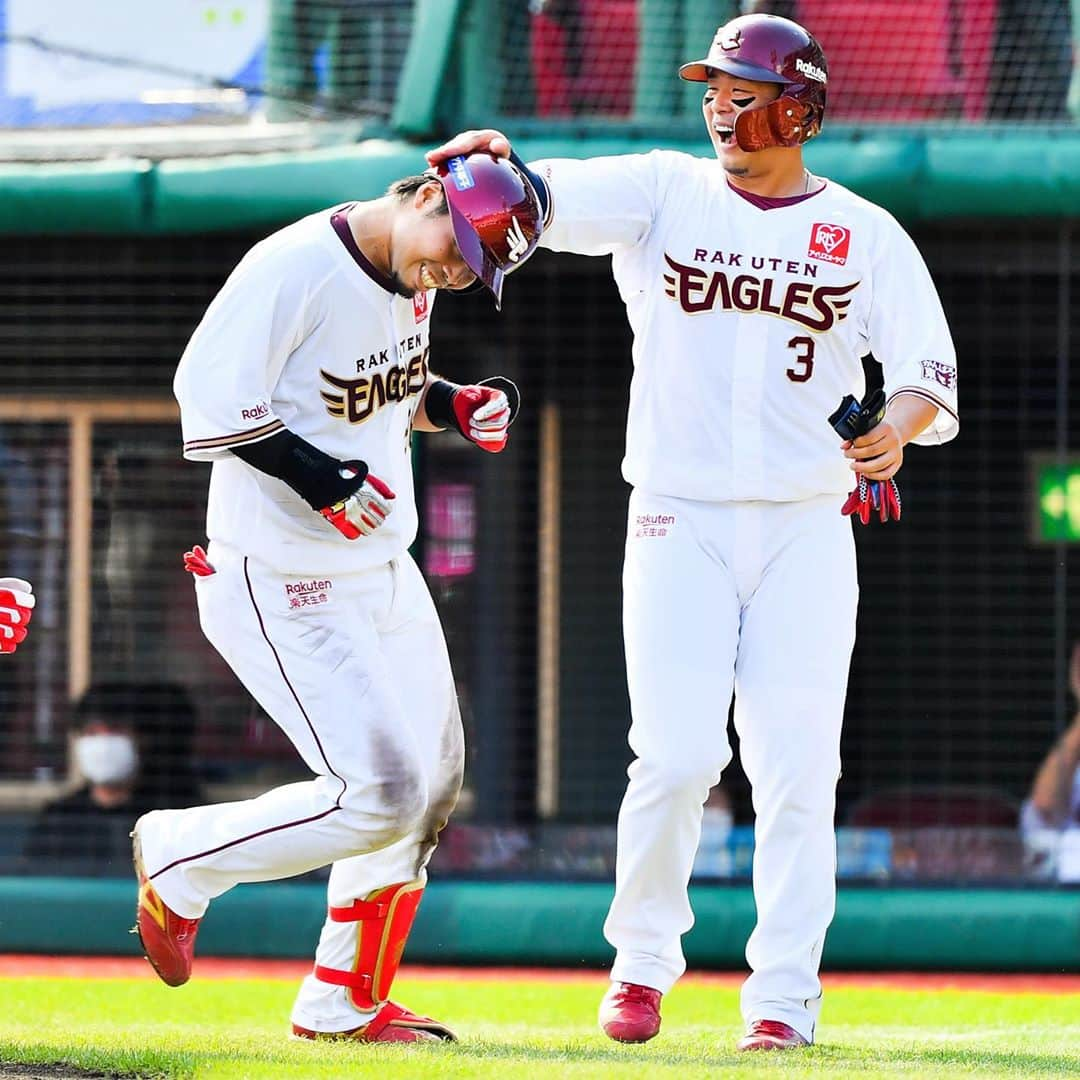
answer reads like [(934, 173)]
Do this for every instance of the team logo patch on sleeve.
[(829, 243), (942, 374), (420, 306)]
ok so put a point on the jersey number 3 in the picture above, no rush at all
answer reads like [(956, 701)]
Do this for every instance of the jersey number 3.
[(803, 367)]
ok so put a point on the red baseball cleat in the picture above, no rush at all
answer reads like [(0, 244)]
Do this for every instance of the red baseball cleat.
[(168, 940), (391, 1023), (771, 1035), (630, 1012)]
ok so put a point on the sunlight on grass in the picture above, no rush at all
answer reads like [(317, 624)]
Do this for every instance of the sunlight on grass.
[(522, 1029)]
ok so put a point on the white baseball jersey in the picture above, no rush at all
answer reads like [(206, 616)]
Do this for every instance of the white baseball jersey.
[(308, 335), (749, 323)]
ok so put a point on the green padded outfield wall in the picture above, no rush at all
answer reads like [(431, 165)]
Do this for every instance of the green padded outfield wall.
[(560, 924), (918, 174)]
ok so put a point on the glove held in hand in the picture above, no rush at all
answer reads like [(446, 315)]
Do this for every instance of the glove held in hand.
[(851, 420)]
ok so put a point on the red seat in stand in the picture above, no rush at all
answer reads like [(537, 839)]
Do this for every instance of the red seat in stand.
[(605, 32), (904, 59)]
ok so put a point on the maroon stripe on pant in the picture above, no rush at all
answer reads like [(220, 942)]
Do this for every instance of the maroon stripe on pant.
[(314, 735)]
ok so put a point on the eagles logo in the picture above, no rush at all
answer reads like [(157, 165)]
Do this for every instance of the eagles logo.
[(357, 400), (516, 241)]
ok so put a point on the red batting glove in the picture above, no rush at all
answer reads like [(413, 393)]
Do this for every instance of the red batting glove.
[(195, 562), (16, 606), (483, 416), (363, 511), (880, 496)]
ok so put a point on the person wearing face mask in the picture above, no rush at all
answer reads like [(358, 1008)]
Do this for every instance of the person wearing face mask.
[(88, 828), (754, 288)]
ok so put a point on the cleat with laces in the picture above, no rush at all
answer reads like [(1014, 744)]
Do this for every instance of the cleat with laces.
[(771, 1035), (630, 1012)]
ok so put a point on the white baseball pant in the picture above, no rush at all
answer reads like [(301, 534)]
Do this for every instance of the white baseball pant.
[(759, 598), (360, 682)]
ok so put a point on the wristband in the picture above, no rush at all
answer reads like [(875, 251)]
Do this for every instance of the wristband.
[(439, 403)]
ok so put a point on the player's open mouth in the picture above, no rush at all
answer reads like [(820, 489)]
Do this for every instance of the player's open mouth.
[(724, 133), (428, 279)]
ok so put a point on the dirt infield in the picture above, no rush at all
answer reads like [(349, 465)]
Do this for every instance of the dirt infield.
[(133, 967), (13, 1071)]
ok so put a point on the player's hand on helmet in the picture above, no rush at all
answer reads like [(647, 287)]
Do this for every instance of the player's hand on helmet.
[(362, 512), (468, 142), (16, 606)]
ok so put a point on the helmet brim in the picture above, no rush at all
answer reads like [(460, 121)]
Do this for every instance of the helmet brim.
[(477, 257), (700, 70)]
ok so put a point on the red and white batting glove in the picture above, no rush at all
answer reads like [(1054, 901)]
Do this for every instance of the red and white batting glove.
[(881, 497), (483, 416), (481, 413), (363, 511), (16, 606)]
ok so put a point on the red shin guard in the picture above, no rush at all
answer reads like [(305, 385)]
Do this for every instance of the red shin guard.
[(385, 917)]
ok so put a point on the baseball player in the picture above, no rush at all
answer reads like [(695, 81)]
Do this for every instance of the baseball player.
[(303, 384), (753, 288), (16, 606)]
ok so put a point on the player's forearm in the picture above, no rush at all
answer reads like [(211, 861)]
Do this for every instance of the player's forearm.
[(910, 415), (316, 477), (421, 420), (1052, 788)]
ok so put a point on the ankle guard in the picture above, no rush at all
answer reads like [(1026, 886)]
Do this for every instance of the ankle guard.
[(385, 917)]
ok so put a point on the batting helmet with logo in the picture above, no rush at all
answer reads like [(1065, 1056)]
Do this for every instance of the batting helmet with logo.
[(767, 48), (495, 213)]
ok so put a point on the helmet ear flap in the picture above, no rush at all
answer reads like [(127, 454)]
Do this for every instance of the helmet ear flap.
[(784, 122)]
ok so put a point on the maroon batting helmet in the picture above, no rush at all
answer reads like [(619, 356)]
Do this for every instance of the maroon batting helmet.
[(496, 215), (768, 48)]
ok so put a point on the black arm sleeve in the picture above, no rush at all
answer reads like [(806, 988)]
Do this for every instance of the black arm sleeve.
[(438, 403), (537, 182), (317, 478)]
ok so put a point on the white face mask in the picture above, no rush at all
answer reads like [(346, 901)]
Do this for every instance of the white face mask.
[(106, 759)]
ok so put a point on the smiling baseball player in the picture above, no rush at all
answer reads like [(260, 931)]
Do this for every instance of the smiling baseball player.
[(303, 384), (753, 289)]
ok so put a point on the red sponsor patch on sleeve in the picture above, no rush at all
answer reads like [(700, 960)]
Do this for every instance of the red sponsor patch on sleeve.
[(829, 243), (420, 306)]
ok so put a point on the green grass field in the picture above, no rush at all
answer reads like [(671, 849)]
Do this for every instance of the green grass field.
[(530, 1028)]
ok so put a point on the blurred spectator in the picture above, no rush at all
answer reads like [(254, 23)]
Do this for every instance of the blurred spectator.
[(784, 8), (1054, 800), (1073, 99), (713, 857), (166, 721), (583, 55), (1032, 59), (344, 55), (131, 749)]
